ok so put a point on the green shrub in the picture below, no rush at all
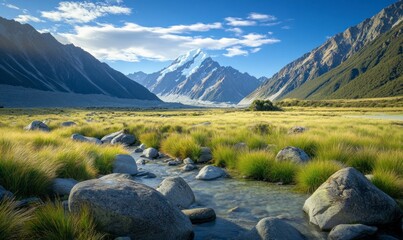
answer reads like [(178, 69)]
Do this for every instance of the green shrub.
[(225, 156), (313, 174), (12, 221), (50, 222), (263, 105), (151, 139), (255, 165), (388, 182)]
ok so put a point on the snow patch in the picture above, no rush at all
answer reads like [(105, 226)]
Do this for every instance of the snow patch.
[(177, 98)]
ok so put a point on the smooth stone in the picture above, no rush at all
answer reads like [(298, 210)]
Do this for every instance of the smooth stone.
[(205, 156), (124, 139), (272, 228), (188, 167), (200, 215), (123, 238), (150, 175), (210, 172), (150, 153), (5, 194), (188, 161), (351, 231), (174, 163), (117, 175), (348, 197), (37, 125), (63, 186), (141, 161), (292, 154), (138, 150), (68, 124), (108, 138), (177, 191), (29, 202), (80, 138), (297, 129), (123, 207), (142, 146), (124, 163)]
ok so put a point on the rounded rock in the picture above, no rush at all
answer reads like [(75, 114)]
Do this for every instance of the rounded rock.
[(177, 191), (292, 154)]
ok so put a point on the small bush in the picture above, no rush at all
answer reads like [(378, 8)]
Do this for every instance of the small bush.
[(255, 165), (388, 182), (50, 222), (313, 174), (263, 105), (151, 139), (225, 156), (12, 221)]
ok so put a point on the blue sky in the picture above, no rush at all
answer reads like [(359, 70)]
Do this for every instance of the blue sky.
[(254, 36)]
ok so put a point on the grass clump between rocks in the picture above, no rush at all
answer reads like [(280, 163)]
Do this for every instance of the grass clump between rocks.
[(389, 182), (12, 221), (181, 146), (314, 173)]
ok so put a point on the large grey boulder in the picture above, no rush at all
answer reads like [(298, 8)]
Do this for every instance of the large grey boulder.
[(292, 154), (348, 197), (124, 163), (124, 139), (123, 207), (150, 153), (5, 194), (63, 186), (177, 191), (200, 215), (188, 167), (205, 155), (108, 138), (210, 172), (37, 125), (272, 228), (80, 138), (351, 231), (116, 175), (68, 124)]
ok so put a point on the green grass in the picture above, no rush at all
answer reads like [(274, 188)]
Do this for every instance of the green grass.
[(74, 164), (225, 156), (363, 160), (391, 161), (50, 222), (255, 165), (151, 139), (313, 174), (388, 182), (181, 146), (12, 221), (284, 172)]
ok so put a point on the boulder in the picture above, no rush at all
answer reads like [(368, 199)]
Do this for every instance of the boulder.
[(177, 191), (351, 231), (68, 124), (117, 175), (348, 197), (5, 194), (205, 155), (37, 125), (200, 215), (174, 162), (29, 202), (188, 167), (150, 153), (124, 139), (80, 138), (297, 129), (108, 138), (123, 207), (138, 150), (142, 146), (124, 163), (210, 172), (272, 228), (292, 154), (188, 161), (63, 186), (141, 161)]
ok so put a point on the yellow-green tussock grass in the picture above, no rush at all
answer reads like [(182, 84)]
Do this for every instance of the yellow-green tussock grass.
[(12, 221), (225, 156), (181, 146), (388, 182), (284, 172), (151, 139), (390, 161), (314, 173), (255, 164)]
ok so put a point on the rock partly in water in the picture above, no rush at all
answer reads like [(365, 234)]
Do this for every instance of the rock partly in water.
[(5, 194), (188, 161), (200, 215), (124, 163), (80, 138), (63, 186), (37, 125), (210, 172), (272, 228), (117, 175), (177, 191), (188, 167), (68, 124), (351, 231), (108, 138), (348, 197), (124, 207), (124, 139), (297, 129), (205, 155), (141, 161), (292, 154), (174, 162), (150, 153)]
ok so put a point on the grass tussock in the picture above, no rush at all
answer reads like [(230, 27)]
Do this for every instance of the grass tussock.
[(255, 165), (181, 146), (313, 174), (151, 139), (225, 156), (389, 182), (12, 221)]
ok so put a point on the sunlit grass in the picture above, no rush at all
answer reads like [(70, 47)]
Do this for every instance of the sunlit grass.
[(389, 182), (313, 174), (12, 221), (151, 139)]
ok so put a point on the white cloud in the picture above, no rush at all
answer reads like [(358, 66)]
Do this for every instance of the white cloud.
[(239, 22), (83, 12), (27, 18), (286, 27), (269, 24), (235, 51), (237, 31), (11, 6), (262, 17), (132, 42), (255, 50)]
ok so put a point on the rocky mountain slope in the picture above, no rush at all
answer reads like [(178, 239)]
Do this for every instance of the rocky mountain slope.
[(194, 76), (326, 57), (38, 61)]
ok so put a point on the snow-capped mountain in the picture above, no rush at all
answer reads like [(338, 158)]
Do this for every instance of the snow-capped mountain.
[(194, 77), (38, 61)]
